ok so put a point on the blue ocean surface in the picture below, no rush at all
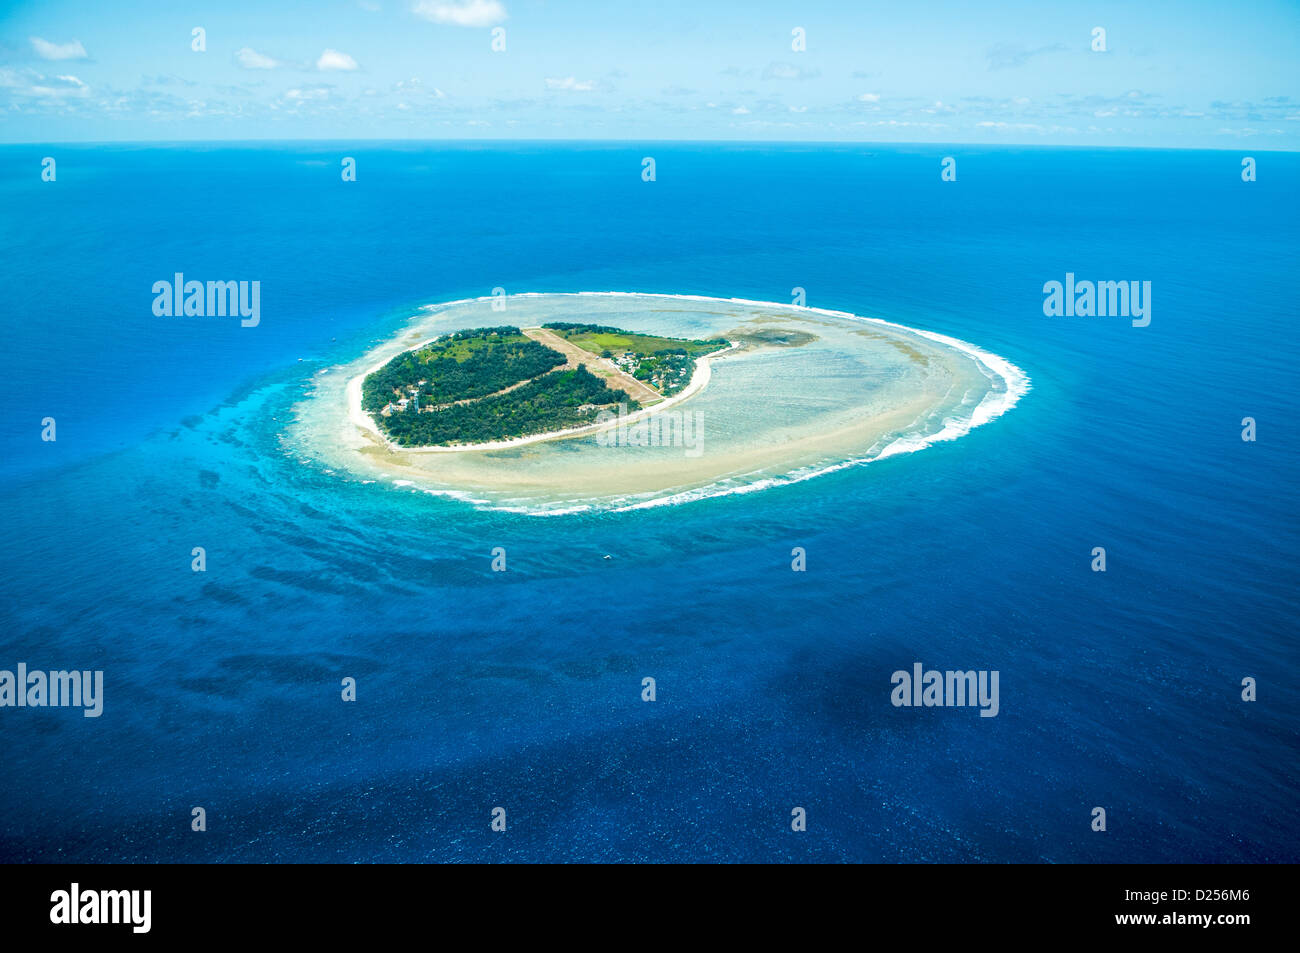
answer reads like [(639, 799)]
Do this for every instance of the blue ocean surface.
[(523, 689)]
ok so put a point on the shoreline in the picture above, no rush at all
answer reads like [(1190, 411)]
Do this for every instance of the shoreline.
[(969, 386), (362, 418), (1016, 381)]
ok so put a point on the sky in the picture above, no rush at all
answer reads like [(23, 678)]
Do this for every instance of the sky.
[(1182, 74)]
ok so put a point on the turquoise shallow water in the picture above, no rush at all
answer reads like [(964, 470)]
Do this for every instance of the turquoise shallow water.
[(748, 422), (523, 688)]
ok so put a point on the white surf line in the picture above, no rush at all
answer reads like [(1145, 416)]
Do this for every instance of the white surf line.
[(993, 405), (1017, 384), (699, 380), (1013, 373)]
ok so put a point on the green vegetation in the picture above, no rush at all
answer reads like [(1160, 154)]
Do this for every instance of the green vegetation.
[(556, 401), (460, 366), (490, 384), (666, 364)]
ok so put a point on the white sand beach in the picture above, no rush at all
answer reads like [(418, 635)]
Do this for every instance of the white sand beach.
[(798, 393), (699, 380)]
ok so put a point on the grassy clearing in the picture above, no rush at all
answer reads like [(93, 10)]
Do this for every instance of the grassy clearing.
[(661, 363), (625, 342)]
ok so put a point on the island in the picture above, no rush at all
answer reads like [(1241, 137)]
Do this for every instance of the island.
[(525, 418), (493, 385)]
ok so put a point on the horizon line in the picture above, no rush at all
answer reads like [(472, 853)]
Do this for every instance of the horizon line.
[(630, 141)]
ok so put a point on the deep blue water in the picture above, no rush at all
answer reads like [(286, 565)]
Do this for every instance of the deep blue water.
[(522, 689)]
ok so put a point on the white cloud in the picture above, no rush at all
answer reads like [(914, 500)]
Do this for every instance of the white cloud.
[(788, 71), (1023, 126), (58, 51), (416, 86), (740, 111), (334, 60), (571, 84), (901, 123), (251, 59), (61, 86), (29, 83), (869, 98), (308, 93), (463, 13)]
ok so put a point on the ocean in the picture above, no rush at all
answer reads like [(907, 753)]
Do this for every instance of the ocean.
[(523, 689)]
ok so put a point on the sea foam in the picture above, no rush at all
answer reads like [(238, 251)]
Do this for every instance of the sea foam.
[(1008, 384)]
